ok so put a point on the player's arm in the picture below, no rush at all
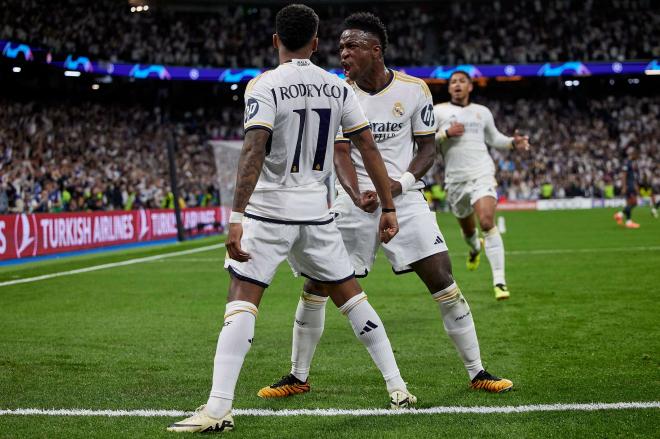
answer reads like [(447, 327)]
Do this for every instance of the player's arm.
[(496, 139), (258, 124), (373, 162), (419, 166), (250, 164), (367, 200)]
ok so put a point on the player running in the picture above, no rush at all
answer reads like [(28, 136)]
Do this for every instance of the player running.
[(400, 111), (464, 130), (280, 209), (630, 188)]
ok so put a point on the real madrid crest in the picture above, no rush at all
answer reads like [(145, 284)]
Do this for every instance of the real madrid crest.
[(398, 109)]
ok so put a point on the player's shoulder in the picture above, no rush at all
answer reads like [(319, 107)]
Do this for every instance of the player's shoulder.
[(480, 107), (442, 105), (259, 79), (412, 82)]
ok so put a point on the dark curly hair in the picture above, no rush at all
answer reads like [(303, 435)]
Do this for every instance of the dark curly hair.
[(462, 72), (296, 25), (368, 22)]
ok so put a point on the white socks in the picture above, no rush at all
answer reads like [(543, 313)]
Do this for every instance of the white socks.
[(495, 253), (459, 325), (473, 241), (307, 330), (370, 331), (233, 345)]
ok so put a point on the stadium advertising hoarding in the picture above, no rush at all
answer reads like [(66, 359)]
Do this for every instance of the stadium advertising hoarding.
[(75, 63), (27, 235)]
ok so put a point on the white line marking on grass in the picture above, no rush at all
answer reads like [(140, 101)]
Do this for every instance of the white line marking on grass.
[(111, 265), (580, 250), (587, 407)]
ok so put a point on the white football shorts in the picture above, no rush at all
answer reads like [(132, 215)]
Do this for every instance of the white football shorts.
[(461, 196), (315, 251), (419, 235)]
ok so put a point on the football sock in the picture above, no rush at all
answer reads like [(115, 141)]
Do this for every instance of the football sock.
[(627, 211), (473, 242), (307, 330), (370, 331), (495, 253), (233, 345), (457, 319)]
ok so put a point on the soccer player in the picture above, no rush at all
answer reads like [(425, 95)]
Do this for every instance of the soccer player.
[(630, 188), (280, 209), (464, 130), (400, 111)]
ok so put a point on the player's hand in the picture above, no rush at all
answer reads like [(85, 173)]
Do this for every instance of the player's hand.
[(455, 129), (395, 187), (388, 226), (367, 201), (520, 142), (233, 243)]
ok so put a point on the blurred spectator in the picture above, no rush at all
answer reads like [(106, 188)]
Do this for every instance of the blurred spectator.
[(577, 149), (61, 157), (421, 33)]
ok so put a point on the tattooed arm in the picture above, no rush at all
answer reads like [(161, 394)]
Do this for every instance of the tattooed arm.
[(420, 164), (249, 169)]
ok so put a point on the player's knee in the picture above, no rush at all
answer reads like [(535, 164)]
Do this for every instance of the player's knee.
[(316, 288), (486, 222)]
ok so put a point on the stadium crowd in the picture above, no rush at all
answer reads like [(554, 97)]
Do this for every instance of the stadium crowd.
[(421, 33), (578, 146), (56, 157), (92, 157)]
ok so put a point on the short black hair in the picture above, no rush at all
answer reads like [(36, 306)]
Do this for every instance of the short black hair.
[(462, 72), (296, 25), (368, 22)]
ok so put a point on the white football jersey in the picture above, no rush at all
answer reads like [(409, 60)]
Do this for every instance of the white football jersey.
[(302, 106), (398, 113), (466, 157)]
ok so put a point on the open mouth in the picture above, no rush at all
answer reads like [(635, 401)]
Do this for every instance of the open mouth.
[(347, 67)]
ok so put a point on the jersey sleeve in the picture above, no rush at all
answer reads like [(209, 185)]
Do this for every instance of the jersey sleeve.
[(423, 119), (260, 106), (492, 135), (353, 120), (340, 138)]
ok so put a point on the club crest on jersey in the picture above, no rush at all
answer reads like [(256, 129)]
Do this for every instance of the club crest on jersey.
[(398, 109), (427, 116), (251, 108)]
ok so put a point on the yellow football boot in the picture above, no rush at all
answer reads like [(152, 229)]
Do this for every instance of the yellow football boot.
[(501, 292), (474, 258), (489, 383), (287, 386)]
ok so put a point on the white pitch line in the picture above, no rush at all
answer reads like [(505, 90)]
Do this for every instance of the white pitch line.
[(111, 265), (580, 250), (587, 407)]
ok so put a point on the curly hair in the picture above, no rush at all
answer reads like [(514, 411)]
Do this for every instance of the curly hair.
[(296, 25), (368, 22)]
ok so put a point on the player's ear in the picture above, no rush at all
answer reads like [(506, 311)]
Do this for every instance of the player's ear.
[(276, 41), (315, 44), (470, 87)]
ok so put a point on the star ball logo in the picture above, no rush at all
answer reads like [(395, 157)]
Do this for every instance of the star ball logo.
[(427, 116), (251, 108)]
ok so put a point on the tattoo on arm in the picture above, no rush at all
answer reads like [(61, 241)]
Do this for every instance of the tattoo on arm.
[(424, 158), (249, 167)]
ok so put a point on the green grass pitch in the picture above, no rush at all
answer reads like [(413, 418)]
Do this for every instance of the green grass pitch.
[(581, 327)]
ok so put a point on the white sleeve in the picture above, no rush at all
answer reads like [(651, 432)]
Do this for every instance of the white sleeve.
[(260, 106), (423, 120), (493, 137), (353, 120)]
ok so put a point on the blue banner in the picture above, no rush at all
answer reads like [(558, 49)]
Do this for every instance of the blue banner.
[(24, 52)]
